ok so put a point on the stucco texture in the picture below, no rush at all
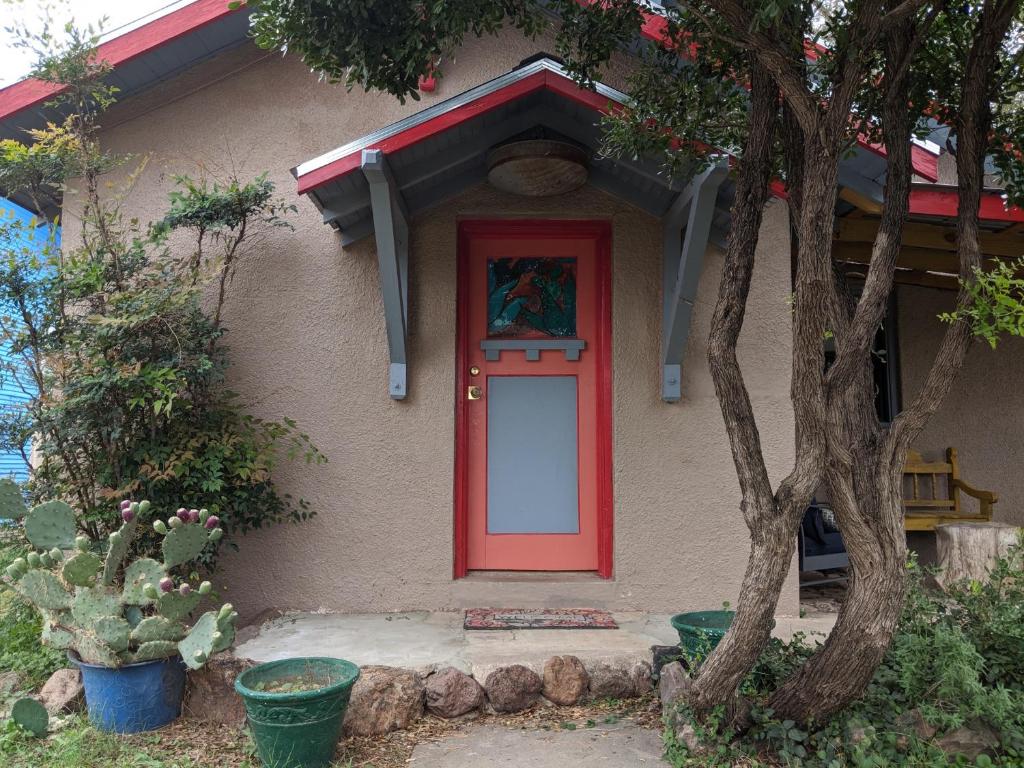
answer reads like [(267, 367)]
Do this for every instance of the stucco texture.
[(307, 341), (983, 416)]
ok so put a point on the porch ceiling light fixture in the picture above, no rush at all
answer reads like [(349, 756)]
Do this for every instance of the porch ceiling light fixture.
[(537, 167)]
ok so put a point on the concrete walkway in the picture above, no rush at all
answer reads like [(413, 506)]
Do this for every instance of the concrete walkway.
[(617, 746), (423, 640)]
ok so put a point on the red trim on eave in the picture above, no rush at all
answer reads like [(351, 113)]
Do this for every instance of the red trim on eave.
[(946, 202), (925, 164), (30, 92), (541, 80)]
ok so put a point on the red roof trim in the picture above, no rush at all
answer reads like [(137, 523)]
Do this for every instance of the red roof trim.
[(925, 164), (25, 94), (541, 80), (946, 203)]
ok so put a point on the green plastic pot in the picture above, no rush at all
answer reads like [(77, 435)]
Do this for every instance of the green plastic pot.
[(300, 729), (700, 631)]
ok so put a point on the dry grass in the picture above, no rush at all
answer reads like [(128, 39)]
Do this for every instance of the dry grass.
[(195, 744)]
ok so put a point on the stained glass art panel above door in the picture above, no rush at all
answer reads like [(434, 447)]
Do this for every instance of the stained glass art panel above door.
[(531, 298)]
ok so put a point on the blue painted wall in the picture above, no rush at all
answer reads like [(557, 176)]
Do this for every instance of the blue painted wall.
[(11, 394)]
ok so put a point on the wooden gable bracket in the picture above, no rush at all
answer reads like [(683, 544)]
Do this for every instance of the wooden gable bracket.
[(391, 227), (682, 262)]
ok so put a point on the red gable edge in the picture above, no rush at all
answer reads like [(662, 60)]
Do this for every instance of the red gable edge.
[(924, 162), (27, 93)]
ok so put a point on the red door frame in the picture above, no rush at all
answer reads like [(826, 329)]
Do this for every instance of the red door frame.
[(601, 233)]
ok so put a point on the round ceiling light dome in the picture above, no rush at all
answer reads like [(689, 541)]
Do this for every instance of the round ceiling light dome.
[(537, 167)]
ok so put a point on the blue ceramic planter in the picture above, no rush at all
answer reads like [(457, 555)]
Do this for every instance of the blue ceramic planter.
[(135, 697)]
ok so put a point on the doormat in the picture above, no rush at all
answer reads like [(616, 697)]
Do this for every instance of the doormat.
[(538, 618)]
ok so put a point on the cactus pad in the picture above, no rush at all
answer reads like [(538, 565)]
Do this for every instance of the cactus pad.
[(43, 590), (136, 576), (81, 570), (51, 525), (198, 644), (92, 604), (156, 628), (174, 606), (12, 504), (93, 651), (183, 544), (118, 550), (55, 629), (113, 632), (133, 615), (31, 715), (158, 649)]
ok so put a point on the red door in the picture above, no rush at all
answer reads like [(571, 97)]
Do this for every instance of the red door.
[(533, 480)]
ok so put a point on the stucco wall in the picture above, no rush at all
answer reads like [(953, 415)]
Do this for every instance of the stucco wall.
[(307, 341), (983, 416)]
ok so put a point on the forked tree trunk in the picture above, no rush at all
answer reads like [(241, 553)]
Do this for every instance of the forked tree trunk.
[(871, 521)]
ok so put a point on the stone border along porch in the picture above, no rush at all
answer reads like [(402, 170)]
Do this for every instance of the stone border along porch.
[(418, 663)]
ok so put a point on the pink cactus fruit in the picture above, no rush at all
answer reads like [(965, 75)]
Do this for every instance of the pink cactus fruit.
[(212, 522), (166, 584)]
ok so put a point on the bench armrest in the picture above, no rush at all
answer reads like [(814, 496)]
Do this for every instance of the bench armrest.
[(970, 490)]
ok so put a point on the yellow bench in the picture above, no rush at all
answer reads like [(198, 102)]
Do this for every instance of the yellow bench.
[(924, 512)]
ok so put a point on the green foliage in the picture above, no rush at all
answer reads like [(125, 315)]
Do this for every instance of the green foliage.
[(21, 649), (120, 621), (957, 659), (996, 302), (79, 745), (118, 335), (381, 44)]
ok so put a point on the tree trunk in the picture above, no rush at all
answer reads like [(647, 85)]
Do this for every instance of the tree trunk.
[(968, 550), (867, 501)]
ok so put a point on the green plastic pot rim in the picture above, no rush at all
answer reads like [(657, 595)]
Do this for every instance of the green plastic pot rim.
[(75, 659), (270, 697), (683, 620)]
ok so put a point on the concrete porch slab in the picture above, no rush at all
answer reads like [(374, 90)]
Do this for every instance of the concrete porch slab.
[(622, 745), (420, 640)]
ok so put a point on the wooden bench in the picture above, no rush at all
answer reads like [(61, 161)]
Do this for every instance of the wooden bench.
[(924, 511)]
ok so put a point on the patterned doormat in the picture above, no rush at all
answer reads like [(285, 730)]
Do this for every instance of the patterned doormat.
[(538, 618)]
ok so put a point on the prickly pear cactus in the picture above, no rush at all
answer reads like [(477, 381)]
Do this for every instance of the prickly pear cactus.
[(12, 504), (31, 715), (51, 525), (109, 612)]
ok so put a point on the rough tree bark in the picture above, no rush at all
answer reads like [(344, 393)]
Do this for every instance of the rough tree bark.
[(839, 441)]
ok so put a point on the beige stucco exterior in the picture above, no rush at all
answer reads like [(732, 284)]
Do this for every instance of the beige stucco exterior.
[(983, 416), (307, 341)]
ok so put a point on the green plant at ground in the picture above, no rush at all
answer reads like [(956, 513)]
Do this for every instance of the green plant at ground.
[(21, 648), (111, 611), (956, 661), (79, 745), (116, 333)]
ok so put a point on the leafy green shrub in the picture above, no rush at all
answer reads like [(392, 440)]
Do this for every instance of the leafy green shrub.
[(21, 649), (957, 659), (118, 336)]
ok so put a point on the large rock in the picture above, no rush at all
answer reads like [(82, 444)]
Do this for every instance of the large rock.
[(63, 692), (210, 692), (513, 688), (10, 682), (619, 681), (970, 740), (673, 684), (384, 699), (451, 693), (565, 680)]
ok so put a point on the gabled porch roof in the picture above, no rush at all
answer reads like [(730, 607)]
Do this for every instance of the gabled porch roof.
[(443, 149), (374, 184)]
